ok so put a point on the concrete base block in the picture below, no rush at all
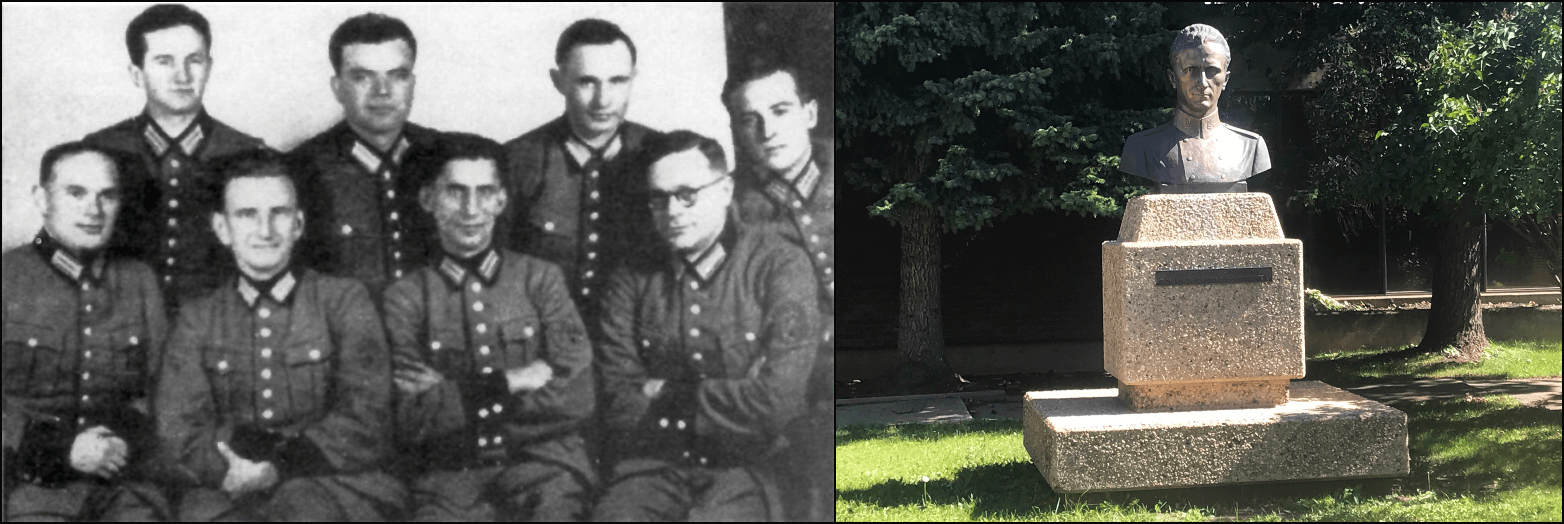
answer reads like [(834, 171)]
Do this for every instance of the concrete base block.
[(1086, 440), (1193, 396)]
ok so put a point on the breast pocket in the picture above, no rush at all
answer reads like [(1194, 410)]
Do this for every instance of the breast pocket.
[(124, 352), (521, 336), (222, 371), (31, 351), (309, 366)]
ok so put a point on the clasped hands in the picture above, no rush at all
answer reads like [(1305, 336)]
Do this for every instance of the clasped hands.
[(414, 377), (244, 475), (98, 451)]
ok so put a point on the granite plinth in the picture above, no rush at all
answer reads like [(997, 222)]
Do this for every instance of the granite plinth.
[(1206, 216), (1086, 440), (1216, 394)]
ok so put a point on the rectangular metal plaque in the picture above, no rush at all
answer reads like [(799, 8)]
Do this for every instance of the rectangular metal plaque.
[(1227, 275)]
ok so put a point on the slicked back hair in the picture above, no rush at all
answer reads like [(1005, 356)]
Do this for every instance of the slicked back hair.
[(69, 149), (254, 163), (759, 71), (158, 18), (684, 140), (1193, 37), (458, 146), (590, 31), (368, 28)]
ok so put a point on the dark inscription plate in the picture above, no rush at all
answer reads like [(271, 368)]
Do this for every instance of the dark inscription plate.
[(1228, 275)]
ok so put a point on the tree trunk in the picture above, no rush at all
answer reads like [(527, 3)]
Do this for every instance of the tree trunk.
[(1455, 318), (920, 336)]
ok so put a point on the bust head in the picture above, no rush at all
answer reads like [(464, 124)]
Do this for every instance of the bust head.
[(1197, 70)]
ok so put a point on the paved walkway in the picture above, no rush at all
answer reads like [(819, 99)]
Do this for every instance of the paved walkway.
[(960, 407)]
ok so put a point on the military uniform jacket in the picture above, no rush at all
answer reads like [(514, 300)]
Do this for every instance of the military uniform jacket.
[(584, 217), (307, 361), (807, 220), (732, 334), (80, 346), (169, 197), (1195, 150), (471, 326), (362, 218)]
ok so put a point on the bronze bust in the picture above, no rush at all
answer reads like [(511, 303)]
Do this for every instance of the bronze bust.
[(1197, 153)]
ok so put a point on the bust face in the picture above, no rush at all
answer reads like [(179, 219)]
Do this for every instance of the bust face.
[(1198, 76)]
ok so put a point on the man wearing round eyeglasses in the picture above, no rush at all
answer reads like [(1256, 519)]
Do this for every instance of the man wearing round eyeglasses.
[(705, 351)]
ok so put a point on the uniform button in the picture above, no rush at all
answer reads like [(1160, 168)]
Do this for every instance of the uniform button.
[(483, 413), (806, 219), (680, 425), (265, 312), (266, 374), (87, 331), (266, 393), (589, 273), (435, 345), (695, 285), (663, 422), (686, 454), (173, 222), (32, 342), (173, 203), (86, 398), (266, 332), (86, 354), (175, 163), (397, 255), (266, 353), (477, 306), (594, 194), (396, 235), (646, 343), (592, 173), (548, 226), (347, 229), (749, 336), (498, 408), (488, 371), (86, 376), (827, 271), (798, 204), (81, 421), (592, 216), (390, 193), (134, 341), (222, 365), (314, 354), (398, 273), (592, 237), (814, 239), (527, 332), (483, 350), (172, 242), (695, 309), (88, 287), (498, 439), (698, 357), (821, 256), (586, 291), (88, 307), (266, 414), (394, 215), (483, 328), (703, 461), (170, 261), (695, 332), (483, 442), (476, 287), (174, 181), (826, 337)]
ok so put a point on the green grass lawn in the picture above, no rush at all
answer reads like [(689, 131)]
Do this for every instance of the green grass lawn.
[(1505, 360), (1483, 458)]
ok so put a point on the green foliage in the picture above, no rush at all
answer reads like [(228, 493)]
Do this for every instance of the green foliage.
[(1433, 108), (985, 110), (1317, 301)]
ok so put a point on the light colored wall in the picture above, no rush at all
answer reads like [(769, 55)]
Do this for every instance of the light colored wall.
[(481, 69)]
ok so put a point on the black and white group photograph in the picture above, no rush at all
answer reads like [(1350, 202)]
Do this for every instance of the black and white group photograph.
[(437, 262)]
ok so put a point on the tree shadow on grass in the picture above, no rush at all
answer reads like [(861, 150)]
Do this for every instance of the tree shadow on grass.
[(1532, 456), (851, 434)]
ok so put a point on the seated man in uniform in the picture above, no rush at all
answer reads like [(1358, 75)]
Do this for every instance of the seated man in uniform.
[(275, 394), (705, 351), (81, 334), (493, 365)]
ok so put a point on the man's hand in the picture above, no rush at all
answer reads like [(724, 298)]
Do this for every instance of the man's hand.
[(653, 387), (413, 377), (245, 476), (98, 451), (529, 377)]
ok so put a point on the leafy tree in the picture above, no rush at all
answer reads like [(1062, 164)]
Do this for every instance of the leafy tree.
[(1452, 112), (960, 115)]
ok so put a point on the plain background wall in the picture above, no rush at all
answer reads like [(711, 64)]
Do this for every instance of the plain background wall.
[(481, 69)]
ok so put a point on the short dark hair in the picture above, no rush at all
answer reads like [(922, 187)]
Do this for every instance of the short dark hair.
[(69, 149), (368, 28), (590, 31), (683, 140), (745, 75), (450, 147), (158, 18), (251, 163)]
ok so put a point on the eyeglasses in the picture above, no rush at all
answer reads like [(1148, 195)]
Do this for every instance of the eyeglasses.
[(686, 197)]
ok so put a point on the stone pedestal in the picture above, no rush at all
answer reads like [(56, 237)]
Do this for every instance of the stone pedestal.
[(1203, 328)]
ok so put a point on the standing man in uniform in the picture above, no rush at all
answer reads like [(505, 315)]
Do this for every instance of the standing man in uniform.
[(167, 190), (494, 366), (579, 181), (705, 352), (275, 397), (355, 179), (772, 115), (82, 331)]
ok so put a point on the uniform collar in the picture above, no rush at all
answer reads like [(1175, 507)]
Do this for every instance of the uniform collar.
[(188, 141), (279, 288), (78, 270), (1196, 127), (705, 264), (800, 185), (484, 266), (373, 159), (583, 153)]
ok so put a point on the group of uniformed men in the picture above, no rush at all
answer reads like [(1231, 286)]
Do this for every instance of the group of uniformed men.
[(593, 320)]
